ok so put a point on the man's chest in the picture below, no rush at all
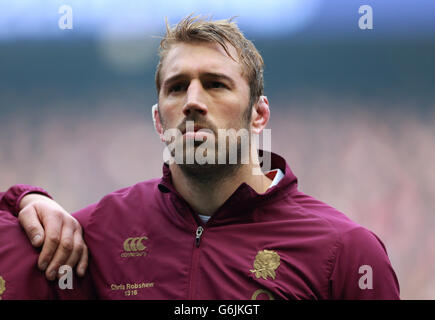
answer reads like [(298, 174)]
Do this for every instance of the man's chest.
[(227, 263)]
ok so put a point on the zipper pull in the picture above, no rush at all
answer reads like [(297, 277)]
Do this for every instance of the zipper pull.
[(199, 231)]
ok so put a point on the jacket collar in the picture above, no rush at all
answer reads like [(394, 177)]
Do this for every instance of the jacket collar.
[(244, 194)]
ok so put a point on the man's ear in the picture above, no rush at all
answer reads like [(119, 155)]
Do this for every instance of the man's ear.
[(260, 115), (157, 121)]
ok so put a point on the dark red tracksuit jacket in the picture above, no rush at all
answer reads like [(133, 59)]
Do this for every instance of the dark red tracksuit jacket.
[(146, 243), (20, 278)]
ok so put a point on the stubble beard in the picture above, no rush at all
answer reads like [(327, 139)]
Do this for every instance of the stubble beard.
[(206, 174)]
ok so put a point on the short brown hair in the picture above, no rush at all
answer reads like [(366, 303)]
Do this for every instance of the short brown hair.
[(194, 29)]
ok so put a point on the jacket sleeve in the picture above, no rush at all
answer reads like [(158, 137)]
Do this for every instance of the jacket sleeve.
[(19, 276), (10, 200), (362, 269)]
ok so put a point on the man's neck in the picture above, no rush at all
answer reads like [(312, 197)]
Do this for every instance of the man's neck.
[(205, 199)]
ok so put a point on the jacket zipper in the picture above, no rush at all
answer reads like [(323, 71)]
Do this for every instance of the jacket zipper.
[(199, 232), (195, 258)]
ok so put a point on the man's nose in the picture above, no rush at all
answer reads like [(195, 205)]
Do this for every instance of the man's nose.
[(195, 99)]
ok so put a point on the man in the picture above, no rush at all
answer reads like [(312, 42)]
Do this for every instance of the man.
[(207, 230), (20, 279)]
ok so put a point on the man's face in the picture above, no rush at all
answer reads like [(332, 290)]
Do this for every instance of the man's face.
[(201, 83)]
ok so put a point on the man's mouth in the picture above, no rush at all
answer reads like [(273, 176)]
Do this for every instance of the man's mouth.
[(196, 132), (195, 129)]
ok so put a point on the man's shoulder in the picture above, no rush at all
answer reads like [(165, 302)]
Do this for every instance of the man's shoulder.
[(131, 198), (114, 206), (144, 190), (345, 234), (322, 214)]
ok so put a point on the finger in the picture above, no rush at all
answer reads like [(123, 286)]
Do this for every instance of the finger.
[(53, 226), (63, 251), (83, 263), (77, 251), (29, 221)]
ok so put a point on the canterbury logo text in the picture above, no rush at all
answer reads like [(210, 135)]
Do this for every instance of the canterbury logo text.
[(134, 247)]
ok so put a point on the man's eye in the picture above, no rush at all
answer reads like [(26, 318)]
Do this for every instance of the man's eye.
[(217, 85), (176, 88)]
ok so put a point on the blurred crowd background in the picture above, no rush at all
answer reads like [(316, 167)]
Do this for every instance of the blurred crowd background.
[(353, 111)]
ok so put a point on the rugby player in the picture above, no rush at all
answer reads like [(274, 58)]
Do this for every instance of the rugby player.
[(212, 231)]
